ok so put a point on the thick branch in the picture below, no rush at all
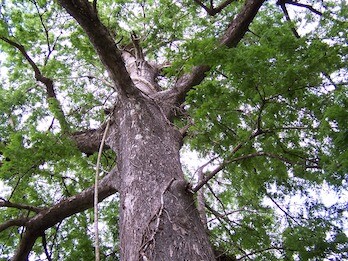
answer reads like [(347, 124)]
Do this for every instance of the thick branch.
[(88, 141), (85, 14), (234, 33), (142, 72), (66, 208), (13, 222), (187, 81), (239, 26)]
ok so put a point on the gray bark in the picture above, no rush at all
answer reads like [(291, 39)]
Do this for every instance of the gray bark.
[(158, 218)]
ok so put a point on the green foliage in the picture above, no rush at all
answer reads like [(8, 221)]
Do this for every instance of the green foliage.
[(273, 110), (270, 108)]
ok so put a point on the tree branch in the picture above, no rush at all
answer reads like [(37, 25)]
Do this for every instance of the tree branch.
[(38, 75), (84, 13), (6, 203), (262, 250), (95, 6), (210, 176), (88, 141), (239, 26), (14, 222), (232, 36), (244, 157), (44, 27), (201, 196), (44, 245), (52, 100), (207, 9), (47, 218), (284, 211), (287, 17), (309, 7), (213, 11)]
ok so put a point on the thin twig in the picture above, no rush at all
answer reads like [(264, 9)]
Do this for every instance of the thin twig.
[(284, 211), (287, 17), (244, 157), (309, 7), (7, 203), (215, 171), (44, 245), (201, 199)]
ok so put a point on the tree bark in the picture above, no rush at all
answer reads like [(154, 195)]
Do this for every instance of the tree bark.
[(158, 217)]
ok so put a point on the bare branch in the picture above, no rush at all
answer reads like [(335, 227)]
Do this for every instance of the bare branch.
[(239, 26), (223, 5), (38, 75), (284, 211), (207, 9), (139, 55), (187, 81), (260, 251), (216, 197), (328, 77), (44, 26), (95, 5), (210, 176), (201, 196)]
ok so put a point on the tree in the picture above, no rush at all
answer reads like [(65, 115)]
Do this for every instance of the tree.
[(257, 88)]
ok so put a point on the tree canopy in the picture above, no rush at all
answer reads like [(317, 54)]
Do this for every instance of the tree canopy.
[(266, 112)]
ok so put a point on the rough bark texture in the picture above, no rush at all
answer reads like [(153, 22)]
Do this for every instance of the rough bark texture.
[(88, 141), (158, 216)]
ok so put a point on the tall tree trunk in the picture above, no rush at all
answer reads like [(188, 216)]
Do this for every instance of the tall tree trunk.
[(158, 217)]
